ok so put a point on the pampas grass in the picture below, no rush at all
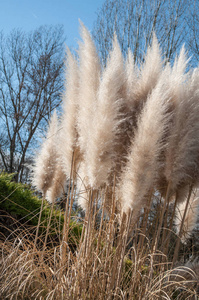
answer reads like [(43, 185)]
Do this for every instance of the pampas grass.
[(83, 187), (128, 146), (175, 79), (89, 74), (150, 71), (182, 154), (145, 151), (100, 157), (68, 130), (26, 273), (58, 186), (191, 216), (45, 162), (131, 73)]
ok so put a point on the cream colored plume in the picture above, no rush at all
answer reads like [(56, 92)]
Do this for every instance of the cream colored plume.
[(191, 216), (89, 72), (182, 163), (131, 73), (68, 130), (174, 82), (45, 161), (143, 160), (59, 181), (100, 153), (178, 74), (149, 71), (177, 77), (58, 185)]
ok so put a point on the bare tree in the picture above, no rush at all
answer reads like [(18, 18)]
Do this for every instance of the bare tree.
[(31, 80), (134, 22), (193, 28)]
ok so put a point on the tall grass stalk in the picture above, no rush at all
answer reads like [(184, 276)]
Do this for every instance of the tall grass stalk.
[(102, 266), (67, 213), (175, 256)]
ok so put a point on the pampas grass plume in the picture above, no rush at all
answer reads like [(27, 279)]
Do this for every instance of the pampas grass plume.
[(131, 77), (182, 153), (68, 131), (45, 161), (58, 186), (89, 72), (178, 75), (190, 218), (103, 138), (149, 72), (143, 160)]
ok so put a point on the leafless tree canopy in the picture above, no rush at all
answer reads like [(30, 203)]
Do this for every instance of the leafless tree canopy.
[(31, 80), (175, 22)]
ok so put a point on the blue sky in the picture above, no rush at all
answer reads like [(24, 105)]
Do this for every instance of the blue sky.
[(29, 14)]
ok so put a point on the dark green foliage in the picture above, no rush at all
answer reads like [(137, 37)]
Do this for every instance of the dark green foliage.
[(20, 202)]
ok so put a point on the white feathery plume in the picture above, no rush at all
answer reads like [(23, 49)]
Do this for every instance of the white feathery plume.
[(59, 179), (68, 131), (143, 160), (131, 78), (89, 70), (182, 163), (191, 216), (178, 74), (45, 161), (106, 120), (149, 72), (58, 186), (177, 77), (139, 84), (131, 106), (174, 82)]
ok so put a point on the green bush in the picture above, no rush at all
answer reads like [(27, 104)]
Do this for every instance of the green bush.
[(20, 202)]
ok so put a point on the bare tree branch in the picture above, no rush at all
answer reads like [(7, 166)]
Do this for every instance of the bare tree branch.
[(135, 21), (31, 81)]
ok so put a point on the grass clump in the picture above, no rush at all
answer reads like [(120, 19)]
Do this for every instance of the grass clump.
[(127, 145), (105, 269)]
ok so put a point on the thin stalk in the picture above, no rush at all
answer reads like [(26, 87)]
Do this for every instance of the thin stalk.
[(177, 247), (82, 249), (70, 210), (165, 222), (64, 240), (125, 237), (48, 227), (156, 224), (167, 239), (89, 224), (161, 218), (145, 220), (39, 221), (100, 229), (109, 248), (117, 257)]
